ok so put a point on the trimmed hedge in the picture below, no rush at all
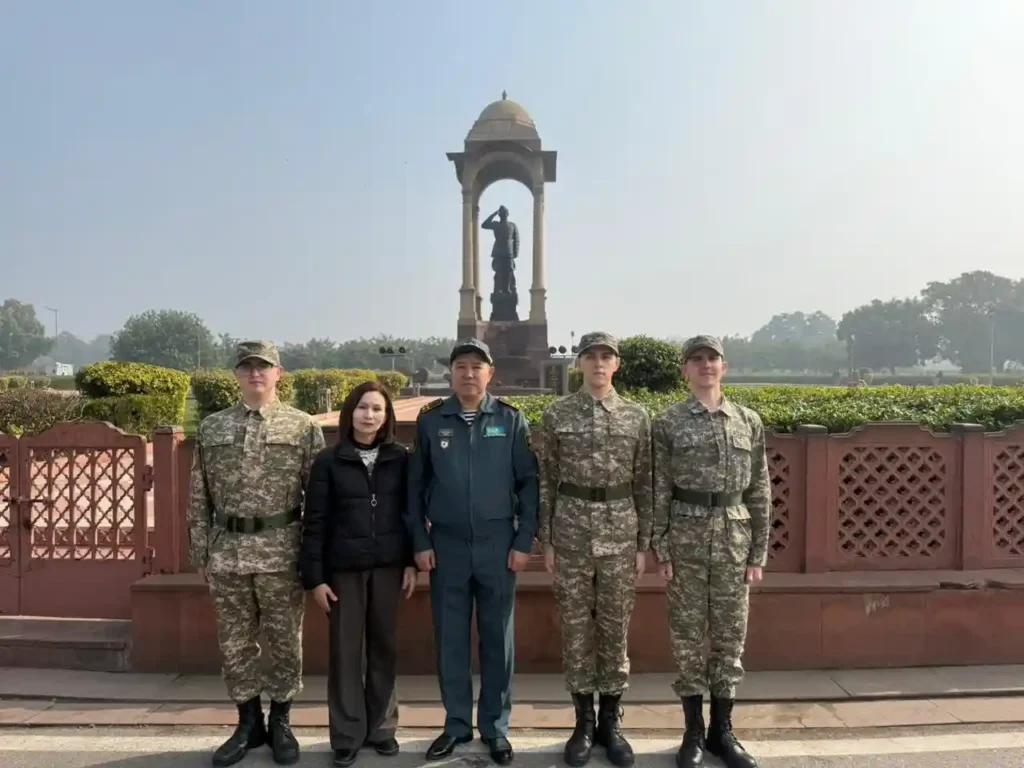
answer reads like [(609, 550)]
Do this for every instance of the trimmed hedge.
[(135, 397), (31, 411), (112, 378), (217, 389), (840, 409), (137, 414), (394, 381)]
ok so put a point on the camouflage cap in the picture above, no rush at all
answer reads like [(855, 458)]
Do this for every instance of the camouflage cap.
[(597, 339), (703, 341), (257, 350), (474, 346)]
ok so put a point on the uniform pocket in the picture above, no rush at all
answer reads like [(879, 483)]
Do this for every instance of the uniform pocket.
[(282, 453), (739, 539), (741, 450)]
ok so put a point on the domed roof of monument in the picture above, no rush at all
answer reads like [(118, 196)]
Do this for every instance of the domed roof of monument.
[(503, 120)]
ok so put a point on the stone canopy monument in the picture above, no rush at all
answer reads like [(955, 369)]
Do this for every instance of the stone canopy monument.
[(503, 144)]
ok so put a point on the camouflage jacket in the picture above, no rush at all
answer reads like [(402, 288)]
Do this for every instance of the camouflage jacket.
[(595, 443), (722, 452), (249, 463)]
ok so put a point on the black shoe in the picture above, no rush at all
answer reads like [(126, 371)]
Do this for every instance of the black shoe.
[(609, 734), (385, 747), (501, 750), (250, 733), (579, 745), (279, 732), (344, 757), (691, 751), (444, 745), (722, 742)]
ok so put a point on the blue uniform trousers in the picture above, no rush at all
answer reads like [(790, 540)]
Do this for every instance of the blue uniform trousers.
[(469, 572)]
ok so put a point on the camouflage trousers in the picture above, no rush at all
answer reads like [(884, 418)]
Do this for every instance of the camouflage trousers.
[(595, 597), (244, 604), (708, 596)]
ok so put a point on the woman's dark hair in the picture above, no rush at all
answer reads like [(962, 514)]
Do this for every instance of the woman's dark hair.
[(386, 433)]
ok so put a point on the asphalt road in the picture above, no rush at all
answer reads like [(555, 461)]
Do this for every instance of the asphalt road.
[(985, 747)]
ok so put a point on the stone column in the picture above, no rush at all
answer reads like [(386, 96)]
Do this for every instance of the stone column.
[(476, 258), (467, 309), (538, 313)]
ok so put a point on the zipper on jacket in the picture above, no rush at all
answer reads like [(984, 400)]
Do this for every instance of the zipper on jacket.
[(472, 442), (373, 502)]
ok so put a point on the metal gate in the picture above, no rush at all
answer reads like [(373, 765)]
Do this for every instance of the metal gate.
[(74, 527)]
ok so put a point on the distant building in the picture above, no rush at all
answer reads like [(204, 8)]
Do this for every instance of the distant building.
[(62, 369)]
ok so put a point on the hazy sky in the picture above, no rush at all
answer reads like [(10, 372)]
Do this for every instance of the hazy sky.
[(279, 168)]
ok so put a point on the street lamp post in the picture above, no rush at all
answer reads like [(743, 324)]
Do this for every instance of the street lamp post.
[(564, 359), (55, 330), (392, 353)]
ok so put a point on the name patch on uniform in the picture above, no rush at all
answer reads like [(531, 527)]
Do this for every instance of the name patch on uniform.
[(498, 430), (445, 432)]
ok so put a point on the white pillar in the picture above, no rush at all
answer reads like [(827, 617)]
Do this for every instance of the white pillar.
[(538, 313), (467, 311), (476, 259)]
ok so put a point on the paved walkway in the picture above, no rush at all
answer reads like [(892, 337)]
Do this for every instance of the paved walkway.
[(977, 747), (405, 411), (826, 699)]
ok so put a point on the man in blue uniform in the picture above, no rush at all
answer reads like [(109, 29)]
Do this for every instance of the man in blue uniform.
[(473, 476)]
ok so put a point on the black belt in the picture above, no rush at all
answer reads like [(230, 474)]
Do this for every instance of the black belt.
[(257, 524), (706, 498), (586, 493)]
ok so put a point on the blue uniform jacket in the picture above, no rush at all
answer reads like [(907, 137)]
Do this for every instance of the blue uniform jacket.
[(472, 482)]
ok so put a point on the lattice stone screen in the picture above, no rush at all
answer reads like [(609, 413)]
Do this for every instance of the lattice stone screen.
[(88, 505), (7, 495), (895, 504), (1007, 508)]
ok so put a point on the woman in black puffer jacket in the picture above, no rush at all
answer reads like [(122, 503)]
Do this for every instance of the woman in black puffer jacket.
[(356, 558)]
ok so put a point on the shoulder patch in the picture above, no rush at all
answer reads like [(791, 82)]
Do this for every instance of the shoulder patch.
[(432, 405), (505, 402)]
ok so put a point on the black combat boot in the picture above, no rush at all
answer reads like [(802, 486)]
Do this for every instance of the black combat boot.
[(608, 733), (722, 742), (577, 748), (250, 733), (279, 732), (691, 751)]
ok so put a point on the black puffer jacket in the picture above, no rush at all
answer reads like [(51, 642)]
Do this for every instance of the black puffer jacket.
[(353, 520)]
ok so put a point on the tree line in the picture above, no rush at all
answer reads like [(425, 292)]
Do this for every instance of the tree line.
[(973, 321)]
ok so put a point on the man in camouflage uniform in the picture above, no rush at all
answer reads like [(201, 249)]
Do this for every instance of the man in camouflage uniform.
[(712, 508), (596, 524), (249, 472)]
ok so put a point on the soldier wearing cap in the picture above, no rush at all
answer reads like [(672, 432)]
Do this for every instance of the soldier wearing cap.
[(595, 525), (250, 466), (712, 508), (473, 477)]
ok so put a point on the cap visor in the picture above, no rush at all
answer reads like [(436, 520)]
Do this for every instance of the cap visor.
[(266, 360), (458, 351)]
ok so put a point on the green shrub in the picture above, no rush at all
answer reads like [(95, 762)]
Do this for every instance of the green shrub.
[(648, 363), (217, 389), (310, 382), (3, 383), (63, 383), (17, 382), (112, 378), (394, 381), (841, 409), (31, 411), (137, 414)]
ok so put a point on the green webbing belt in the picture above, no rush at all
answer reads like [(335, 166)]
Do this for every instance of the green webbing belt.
[(257, 524), (587, 493), (706, 498)]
